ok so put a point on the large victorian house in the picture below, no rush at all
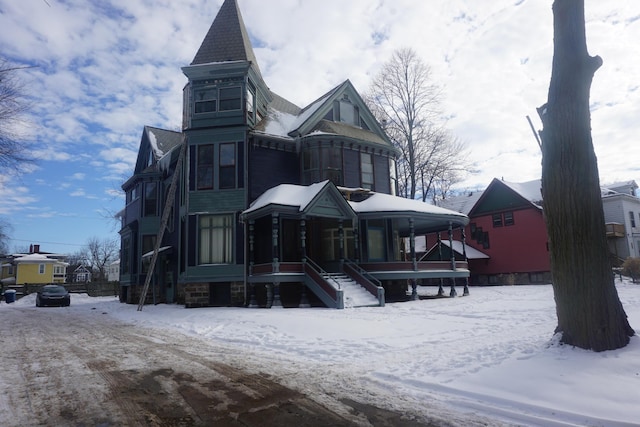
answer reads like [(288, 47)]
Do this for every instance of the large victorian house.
[(273, 204)]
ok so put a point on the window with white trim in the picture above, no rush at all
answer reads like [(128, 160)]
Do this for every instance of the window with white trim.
[(215, 239)]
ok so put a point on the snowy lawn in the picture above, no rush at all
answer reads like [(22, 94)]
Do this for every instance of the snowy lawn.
[(491, 353)]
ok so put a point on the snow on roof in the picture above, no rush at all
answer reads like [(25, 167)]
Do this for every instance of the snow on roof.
[(462, 204), (530, 190), (472, 253), (287, 195), (153, 141), (379, 202), (35, 258), (280, 123)]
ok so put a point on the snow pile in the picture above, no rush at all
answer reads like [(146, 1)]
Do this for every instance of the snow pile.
[(491, 353)]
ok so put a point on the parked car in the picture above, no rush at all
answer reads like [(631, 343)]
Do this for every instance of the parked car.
[(53, 295)]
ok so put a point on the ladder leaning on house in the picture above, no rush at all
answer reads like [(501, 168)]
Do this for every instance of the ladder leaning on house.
[(168, 204)]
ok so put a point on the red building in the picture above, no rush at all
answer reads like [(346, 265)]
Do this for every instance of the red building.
[(506, 238)]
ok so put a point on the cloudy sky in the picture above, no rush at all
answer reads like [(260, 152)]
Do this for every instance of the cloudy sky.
[(104, 69)]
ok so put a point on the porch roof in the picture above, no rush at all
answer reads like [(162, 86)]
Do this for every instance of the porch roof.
[(472, 253), (426, 217), (325, 199), (320, 199)]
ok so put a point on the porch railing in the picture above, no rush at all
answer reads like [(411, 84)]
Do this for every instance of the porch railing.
[(364, 279), (317, 280), (408, 265)]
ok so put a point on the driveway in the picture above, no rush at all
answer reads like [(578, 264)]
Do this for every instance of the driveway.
[(64, 367)]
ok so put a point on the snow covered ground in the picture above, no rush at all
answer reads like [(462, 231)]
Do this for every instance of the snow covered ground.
[(490, 354)]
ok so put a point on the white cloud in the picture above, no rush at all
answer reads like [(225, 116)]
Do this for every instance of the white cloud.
[(106, 69)]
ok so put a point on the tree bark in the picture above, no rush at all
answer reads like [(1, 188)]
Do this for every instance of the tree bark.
[(589, 311)]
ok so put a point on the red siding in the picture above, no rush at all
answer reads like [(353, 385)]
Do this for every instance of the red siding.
[(519, 248)]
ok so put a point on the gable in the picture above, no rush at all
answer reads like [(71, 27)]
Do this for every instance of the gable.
[(329, 203), (320, 199), (498, 197), (341, 111), (154, 144)]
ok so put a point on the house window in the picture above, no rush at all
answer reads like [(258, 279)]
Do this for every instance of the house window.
[(508, 219), (230, 98), (536, 277), (58, 270), (148, 245), (311, 166), (206, 101), (251, 101), (497, 220), (392, 176), (375, 244), (126, 251), (366, 170), (347, 112), (485, 240), (227, 165), (332, 164), (216, 239), (205, 167), (633, 219), (150, 199), (41, 269)]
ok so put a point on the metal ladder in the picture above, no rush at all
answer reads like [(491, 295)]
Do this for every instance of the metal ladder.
[(168, 204)]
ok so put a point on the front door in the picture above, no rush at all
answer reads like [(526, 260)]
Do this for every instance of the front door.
[(323, 242)]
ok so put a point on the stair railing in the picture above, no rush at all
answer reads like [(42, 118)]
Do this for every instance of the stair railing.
[(365, 279)]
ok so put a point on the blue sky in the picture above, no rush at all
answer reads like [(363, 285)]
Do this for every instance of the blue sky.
[(107, 68)]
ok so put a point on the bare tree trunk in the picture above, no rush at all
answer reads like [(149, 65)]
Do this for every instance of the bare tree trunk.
[(589, 311)]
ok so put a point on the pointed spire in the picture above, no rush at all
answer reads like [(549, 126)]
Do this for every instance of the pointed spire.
[(227, 39)]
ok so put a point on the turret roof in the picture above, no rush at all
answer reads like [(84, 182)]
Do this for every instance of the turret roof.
[(227, 39)]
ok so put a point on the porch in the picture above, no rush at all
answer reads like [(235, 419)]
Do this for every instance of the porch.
[(328, 240)]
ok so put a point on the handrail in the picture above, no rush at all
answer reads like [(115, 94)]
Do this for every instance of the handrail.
[(365, 279), (314, 279), (326, 275), (363, 272)]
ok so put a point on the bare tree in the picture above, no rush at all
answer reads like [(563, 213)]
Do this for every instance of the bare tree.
[(13, 109), (99, 253), (5, 228), (407, 103), (589, 311)]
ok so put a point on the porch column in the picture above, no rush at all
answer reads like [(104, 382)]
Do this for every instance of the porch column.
[(253, 303), (464, 253), (304, 300), (275, 253), (440, 287), (356, 240), (453, 292), (275, 226), (303, 239), (341, 241), (412, 244)]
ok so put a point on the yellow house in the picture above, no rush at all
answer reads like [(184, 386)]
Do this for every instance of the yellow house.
[(38, 268)]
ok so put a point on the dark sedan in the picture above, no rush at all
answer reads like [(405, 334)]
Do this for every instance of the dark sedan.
[(53, 295)]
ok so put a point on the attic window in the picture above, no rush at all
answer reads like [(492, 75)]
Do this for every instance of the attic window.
[(347, 112)]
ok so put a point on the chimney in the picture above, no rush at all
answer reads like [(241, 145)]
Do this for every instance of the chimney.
[(36, 249)]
